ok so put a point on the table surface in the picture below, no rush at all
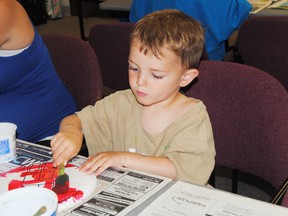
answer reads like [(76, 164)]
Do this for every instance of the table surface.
[(271, 12), (116, 5), (149, 194), (124, 5)]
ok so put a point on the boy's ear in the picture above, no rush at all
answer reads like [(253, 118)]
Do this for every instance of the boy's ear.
[(188, 76)]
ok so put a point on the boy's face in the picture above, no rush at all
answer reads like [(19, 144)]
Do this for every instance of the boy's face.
[(154, 80)]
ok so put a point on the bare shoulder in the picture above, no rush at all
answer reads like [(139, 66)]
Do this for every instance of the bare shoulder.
[(5, 20), (8, 8), (16, 30), (6, 12)]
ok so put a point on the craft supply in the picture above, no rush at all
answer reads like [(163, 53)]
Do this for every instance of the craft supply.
[(41, 211), (81, 186), (61, 181), (7, 141), (29, 201)]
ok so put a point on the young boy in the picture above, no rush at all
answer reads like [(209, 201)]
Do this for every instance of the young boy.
[(151, 127)]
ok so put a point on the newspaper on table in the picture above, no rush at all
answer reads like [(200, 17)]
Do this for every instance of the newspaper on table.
[(118, 191), (185, 199), (258, 5), (126, 190), (27, 154)]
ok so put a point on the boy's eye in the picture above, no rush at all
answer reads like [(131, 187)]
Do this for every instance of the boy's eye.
[(157, 77), (133, 68)]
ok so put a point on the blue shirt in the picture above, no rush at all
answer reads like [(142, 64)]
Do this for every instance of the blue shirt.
[(220, 18), (32, 96)]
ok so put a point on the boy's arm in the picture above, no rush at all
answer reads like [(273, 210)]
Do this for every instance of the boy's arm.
[(162, 166), (67, 143), (155, 165)]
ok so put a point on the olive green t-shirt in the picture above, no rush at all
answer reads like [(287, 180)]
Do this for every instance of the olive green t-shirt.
[(114, 124)]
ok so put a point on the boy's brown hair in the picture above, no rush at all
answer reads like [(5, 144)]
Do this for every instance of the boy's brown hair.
[(172, 30)]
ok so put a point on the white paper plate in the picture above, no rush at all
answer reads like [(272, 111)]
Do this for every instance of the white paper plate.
[(79, 181)]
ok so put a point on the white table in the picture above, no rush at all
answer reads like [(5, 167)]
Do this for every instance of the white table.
[(143, 194), (183, 199)]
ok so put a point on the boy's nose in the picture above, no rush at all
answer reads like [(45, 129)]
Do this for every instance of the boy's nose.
[(141, 80)]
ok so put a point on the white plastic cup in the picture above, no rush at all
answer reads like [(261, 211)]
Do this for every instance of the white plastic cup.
[(27, 201), (7, 141)]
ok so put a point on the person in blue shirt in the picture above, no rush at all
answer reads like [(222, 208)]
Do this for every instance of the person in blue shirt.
[(32, 96), (220, 18)]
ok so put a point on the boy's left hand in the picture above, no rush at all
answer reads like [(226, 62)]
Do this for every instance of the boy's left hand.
[(98, 163)]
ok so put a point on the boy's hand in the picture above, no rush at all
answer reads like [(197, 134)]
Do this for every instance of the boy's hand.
[(65, 145), (98, 163)]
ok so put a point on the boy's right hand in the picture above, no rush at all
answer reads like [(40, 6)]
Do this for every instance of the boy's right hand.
[(65, 145)]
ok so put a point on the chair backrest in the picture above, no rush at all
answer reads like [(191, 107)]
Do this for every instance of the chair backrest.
[(281, 196), (262, 43), (285, 200), (110, 41), (248, 109), (77, 65)]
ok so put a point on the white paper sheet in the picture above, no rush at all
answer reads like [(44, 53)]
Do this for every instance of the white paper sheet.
[(184, 199)]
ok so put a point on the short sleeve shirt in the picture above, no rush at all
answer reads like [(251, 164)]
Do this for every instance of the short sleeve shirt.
[(114, 124)]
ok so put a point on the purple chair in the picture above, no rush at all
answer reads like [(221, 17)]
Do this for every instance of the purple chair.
[(248, 109), (110, 41), (77, 65), (285, 200), (262, 43), (281, 198)]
